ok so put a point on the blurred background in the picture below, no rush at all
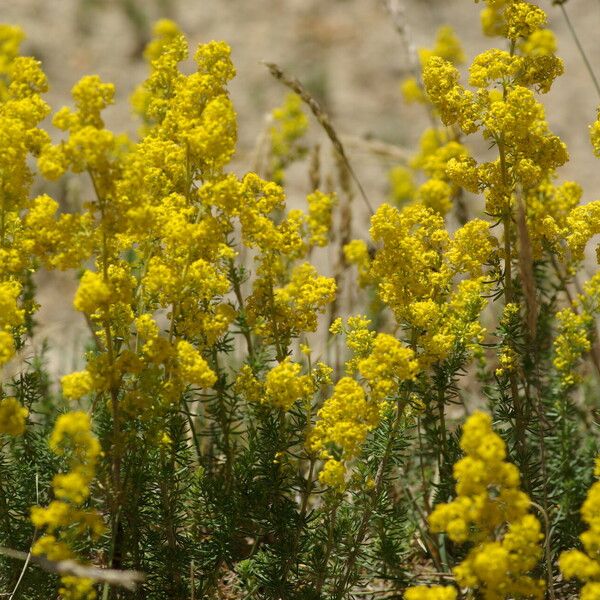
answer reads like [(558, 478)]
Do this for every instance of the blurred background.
[(346, 52)]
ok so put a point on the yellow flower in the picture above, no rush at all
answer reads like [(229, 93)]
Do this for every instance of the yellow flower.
[(320, 207), (284, 385), (434, 592), (333, 474), (571, 343), (402, 185), (356, 253), (76, 385), (585, 565), (92, 294), (12, 416), (289, 126), (437, 195), (595, 135), (389, 363), (455, 104), (63, 517), (345, 419), (192, 367), (490, 511)]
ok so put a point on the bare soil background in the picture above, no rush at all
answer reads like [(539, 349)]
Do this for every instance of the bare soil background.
[(346, 52)]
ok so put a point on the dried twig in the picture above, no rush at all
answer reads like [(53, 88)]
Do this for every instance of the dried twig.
[(125, 579), (579, 45), (377, 147), (323, 120), (526, 269), (397, 13)]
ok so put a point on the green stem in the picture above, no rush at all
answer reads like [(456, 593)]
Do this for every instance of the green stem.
[(344, 581)]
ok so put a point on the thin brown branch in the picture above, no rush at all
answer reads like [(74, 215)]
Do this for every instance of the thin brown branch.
[(125, 579)]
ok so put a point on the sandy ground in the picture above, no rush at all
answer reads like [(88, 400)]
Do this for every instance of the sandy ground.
[(346, 51)]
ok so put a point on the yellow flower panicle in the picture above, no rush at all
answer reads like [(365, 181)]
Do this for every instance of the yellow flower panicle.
[(493, 513), (289, 127), (11, 317), (416, 270), (11, 37), (284, 385), (434, 592), (585, 565), (22, 83), (13, 416), (389, 363), (294, 307), (61, 242), (359, 339), (344, 421), (63, 520), (348, 416), (89, 145), (571, 343), (447, 46), (192, 366), (504, 107), (76, 385), (320, 208), (356, 253)]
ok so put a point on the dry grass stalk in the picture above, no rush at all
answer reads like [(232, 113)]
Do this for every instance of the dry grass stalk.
[(526, 269), (323, 120)]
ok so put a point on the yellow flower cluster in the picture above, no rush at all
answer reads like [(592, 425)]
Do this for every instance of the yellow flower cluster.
[(12, 416), (59, 242), (89, 143), (356, 253), (447, 46), (595, 136), (283, 312), (491, 512), (11, 316), (551, 211), (343, 422), (289, 126), (359, 339), (437, 146), (575, 328), (434, 592), (284, 385), (63, 520), (571, 343), (583, 222), (512, 19), (320, 208), (21, 110), (511, 117), (388, 364), (10, 43), (192, 367), (415, 270), (347, 417), (585, 566)]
